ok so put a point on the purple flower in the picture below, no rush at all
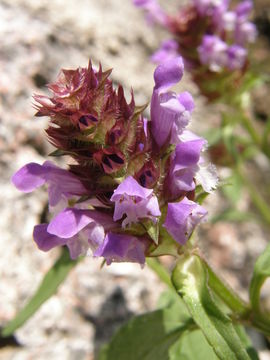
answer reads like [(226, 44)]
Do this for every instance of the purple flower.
[(244, 9), (135, 201), (181, 219), (213, 52), (245, 32), (167, 51), (224, 20), (205, 173), (207, 7), (154, 12), (184, 166), (236, 57), (80, 230), (122, 247), (170, 113), (62, 184)]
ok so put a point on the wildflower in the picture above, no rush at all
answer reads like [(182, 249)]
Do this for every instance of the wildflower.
[(127, 170), (62, 184), (76, 228), (120, 247), (184, 165), (134, 200), (213, 52), (213, 40), (181, 219), (170, 113)]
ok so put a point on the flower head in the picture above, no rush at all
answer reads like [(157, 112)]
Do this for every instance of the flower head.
[(213, 52), (212, 37), (127, 171)]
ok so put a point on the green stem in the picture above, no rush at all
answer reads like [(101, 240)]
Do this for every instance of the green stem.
[(159, 269), (241, 310), (265, 139), (226, 293), (260, 142), (251, 130), (257, 199), (255, 291), (261, 322)]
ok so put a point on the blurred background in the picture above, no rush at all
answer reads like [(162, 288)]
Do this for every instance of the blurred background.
[(37, 39)]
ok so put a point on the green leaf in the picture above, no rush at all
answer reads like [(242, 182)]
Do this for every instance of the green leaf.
[(167, 245), (260, 274), (190, 280), (60, 152), (192, 346), (149, 336), (152, 230), (246, 342), (55, 276)]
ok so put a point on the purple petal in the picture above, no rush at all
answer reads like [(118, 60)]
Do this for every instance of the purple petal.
[(170, 113), (236, 57), (168, 73), (44, 240), (245, 32), (188, 153), (186, 99), (213, 52), (120, 248), (152, 207), (29, 177), (207, 7), (244, 9), (181, 219), (135, 201), (162, 119), (190, 136), (154, 11), (168, 50), (130, 187), (184, 166), (173, 105), (77, 246), (61, 183), (69, 222)]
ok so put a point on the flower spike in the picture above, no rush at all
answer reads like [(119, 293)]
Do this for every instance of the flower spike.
[(130, 177)]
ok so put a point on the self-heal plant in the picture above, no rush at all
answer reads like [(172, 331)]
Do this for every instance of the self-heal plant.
[(213, 39), (128, 172), (133, 191)]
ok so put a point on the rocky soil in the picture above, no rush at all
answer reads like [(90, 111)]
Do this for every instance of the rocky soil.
[(37, 39)]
